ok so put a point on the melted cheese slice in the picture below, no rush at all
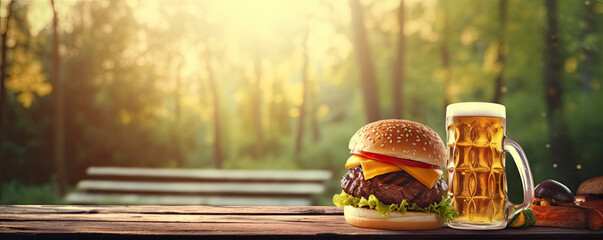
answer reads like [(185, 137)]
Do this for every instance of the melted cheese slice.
[(353, 161), (372, 168), (427, 176)]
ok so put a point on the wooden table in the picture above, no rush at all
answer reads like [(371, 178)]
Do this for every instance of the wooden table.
[(201, 222)]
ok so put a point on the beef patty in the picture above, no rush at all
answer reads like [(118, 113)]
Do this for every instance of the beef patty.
[(392, 187)]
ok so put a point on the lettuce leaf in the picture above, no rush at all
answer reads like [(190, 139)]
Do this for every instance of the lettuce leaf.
[(442, 208)]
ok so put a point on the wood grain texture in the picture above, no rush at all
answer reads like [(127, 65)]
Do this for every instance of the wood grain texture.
[(208, 210), (175, 187), (180, 222), (280, 175), (228, 200), (218, 187)]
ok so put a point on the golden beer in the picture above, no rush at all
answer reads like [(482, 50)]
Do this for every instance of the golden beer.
[(476, 169), (477, 145)]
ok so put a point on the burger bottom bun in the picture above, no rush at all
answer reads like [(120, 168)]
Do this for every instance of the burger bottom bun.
[(369, 218)]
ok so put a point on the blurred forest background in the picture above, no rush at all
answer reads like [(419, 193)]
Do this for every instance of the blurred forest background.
[(284, 84)]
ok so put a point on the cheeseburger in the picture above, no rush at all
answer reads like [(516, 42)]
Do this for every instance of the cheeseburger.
[(590, 190), (590, 196), (395, 178)]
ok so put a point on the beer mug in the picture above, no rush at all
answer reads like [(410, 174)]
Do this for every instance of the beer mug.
[(477, 144)]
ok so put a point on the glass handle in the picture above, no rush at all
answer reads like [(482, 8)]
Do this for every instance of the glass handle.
[(524, 172)]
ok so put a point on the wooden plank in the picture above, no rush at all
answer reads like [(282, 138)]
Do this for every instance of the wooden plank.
[(160, 217), (202, 230), (192, 210), (131, 186), (168, 222), (305, 227), (297, 175), (91, 198), (267, 220)]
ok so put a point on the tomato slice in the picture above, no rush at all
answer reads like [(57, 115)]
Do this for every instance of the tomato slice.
[(393, 160)]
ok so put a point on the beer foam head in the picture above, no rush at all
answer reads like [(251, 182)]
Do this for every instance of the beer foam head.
[(476, 109)]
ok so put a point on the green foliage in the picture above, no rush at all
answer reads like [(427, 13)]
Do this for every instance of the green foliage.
[(15, 192), (138, 93)]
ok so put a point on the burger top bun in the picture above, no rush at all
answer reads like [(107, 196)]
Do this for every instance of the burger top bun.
[(402, 139), (591, 186)]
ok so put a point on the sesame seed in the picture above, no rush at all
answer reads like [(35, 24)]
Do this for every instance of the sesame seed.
[(399, 141), (424, 149), (414, 144), (407, 135), (393, 149), (382, 145), (390, 141), (418, 140), (407, 140)]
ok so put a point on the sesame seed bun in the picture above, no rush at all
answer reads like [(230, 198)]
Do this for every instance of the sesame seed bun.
[(402, 139), (591, 186), (369, 218)]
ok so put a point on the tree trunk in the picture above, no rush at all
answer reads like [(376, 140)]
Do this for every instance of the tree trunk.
[(59, 108), (365, 63), (218, 156), (500, 60), (314, 118), (302, 107), (176, 134), (3, 77), (589, 53), (398, 68), (279, 110), (256, 104), (177, 92), (445, 55), (446, 65), (562, 152)]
